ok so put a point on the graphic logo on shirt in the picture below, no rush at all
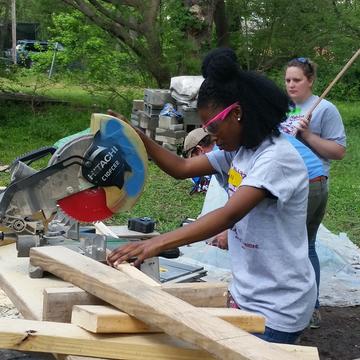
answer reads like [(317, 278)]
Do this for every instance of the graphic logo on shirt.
[(246, 245), (294, 111), (289, 126), (235, 177)]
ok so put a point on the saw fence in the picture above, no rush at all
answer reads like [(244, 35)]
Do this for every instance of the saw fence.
[(84, 308)]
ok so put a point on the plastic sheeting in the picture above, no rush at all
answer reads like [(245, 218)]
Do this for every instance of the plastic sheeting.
[(184, 89), (339, 263), (339, 259)]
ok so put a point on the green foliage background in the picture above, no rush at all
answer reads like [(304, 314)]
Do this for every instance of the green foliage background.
[(96, 71)]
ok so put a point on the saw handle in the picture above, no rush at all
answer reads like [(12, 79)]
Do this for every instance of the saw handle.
[(32, 156), (168, 254)]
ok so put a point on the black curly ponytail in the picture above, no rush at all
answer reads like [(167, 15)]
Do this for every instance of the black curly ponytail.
[(263, 104)]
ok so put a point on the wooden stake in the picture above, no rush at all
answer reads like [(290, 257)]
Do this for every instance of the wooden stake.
[(338, 76)]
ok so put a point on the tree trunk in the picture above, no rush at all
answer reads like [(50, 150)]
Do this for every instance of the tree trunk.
[(221, 24)]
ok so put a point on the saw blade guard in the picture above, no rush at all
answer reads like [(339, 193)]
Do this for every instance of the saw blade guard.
[(115, 164)]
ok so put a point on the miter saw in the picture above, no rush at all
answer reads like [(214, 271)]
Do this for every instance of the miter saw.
[(87, 179)]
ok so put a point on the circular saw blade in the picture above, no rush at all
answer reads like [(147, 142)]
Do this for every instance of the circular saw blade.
[(101, 202), (86, 206)]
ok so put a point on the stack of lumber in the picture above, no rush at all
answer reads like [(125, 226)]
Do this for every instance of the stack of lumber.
[(122, 314)]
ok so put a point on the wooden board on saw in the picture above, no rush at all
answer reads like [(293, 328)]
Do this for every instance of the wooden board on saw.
[(107, 319), (155, 307), (28, 335)]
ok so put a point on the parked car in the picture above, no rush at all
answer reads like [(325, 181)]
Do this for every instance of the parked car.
[(26, 48)]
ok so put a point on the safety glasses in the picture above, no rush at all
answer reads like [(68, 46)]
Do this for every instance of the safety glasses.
[(212, 125), (304, 61)]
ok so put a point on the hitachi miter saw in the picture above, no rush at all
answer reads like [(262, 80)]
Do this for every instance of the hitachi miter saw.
[(88, 178)]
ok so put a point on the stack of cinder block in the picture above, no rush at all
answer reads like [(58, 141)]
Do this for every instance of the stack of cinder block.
[(190, 116), (170, 132), (154, 100), (138, 105)]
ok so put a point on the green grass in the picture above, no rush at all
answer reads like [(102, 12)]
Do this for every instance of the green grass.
[(165, 199), (343, 210), (22, 131)]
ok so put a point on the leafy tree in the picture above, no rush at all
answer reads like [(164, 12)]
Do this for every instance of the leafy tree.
[(139, 26)]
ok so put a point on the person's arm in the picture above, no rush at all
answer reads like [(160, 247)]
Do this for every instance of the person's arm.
[(175, 166), (328, 149), (244, 199)]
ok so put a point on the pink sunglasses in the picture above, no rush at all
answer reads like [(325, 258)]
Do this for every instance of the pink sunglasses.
[(210, 125)]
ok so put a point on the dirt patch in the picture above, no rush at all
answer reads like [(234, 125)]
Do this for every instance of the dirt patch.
[(337, 339)]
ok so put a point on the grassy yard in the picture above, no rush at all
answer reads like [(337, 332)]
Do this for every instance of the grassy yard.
[(165, 199)]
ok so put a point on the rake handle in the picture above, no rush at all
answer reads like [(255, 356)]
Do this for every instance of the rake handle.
[(338, 76)]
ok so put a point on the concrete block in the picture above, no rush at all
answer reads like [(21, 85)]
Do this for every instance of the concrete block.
[(171, 133), (151, 123), (138, 105), (190, 115), (166, 121), (151, 110), (134, 116), (170, 147), (176, 127), (157, 97), (169, 140), (150, 133), (148, 122)]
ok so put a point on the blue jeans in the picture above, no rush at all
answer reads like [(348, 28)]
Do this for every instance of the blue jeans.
[(269, 335), (318, 195), (280, 337)]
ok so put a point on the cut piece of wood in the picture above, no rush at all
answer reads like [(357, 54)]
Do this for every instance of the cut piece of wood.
[(155, 307), (106, 319), (202, 294), (60, 338), (135, 273), (28, 335), (58, 302)]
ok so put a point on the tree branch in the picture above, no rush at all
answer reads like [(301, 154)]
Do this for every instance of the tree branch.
[(131, 24)]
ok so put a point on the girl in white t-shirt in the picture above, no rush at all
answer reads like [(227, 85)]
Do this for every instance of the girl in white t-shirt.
[(268, 187)]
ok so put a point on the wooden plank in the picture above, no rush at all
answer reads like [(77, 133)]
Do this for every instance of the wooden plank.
[(24, 292), (36, 336), (58, 302), (134, 273), (106, 319), (202, 294), (60, 338), (303, 352), (155, 307)]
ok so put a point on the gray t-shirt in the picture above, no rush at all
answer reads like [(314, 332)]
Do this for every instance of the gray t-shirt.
[(325, 122), (272, 273)]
